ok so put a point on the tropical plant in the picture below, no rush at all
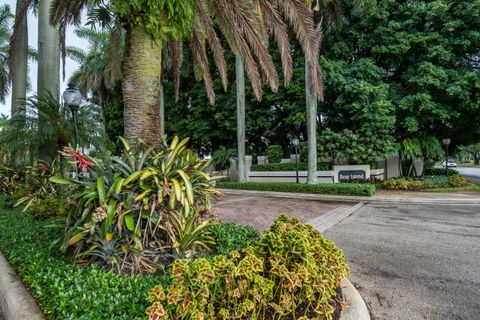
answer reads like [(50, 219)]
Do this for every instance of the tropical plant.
[(6, 19), (152, 25), (432, 151), (410, 149), (221, 158), (22, 137), (291, 272), (274, 153), (131, 212)]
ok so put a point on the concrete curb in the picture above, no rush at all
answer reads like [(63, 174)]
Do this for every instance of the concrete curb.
[(356, 199), (356, 308), (16, 303), (326, 221)]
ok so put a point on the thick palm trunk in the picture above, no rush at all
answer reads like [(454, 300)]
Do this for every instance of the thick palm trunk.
[(141, 86), (240, 83), (20, 64), (48, 81), (311, 127)]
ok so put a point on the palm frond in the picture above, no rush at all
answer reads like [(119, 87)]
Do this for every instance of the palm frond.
[(200, 56)]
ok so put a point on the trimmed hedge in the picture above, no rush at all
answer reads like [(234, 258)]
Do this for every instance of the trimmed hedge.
[(440, 172), (274, 153), (303, 166), (352, 189), (66, 290), (232, 237)]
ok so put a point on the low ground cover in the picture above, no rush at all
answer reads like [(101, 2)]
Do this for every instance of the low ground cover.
[(353, 189), (454, 183)]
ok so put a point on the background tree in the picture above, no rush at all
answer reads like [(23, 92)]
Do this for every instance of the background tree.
[(19, 61), (6, 19)]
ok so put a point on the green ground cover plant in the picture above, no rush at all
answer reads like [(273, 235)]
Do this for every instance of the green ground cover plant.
[(303, 166), (232, 237), (426, 182), (352, 189), (292, 272), (66, 290)]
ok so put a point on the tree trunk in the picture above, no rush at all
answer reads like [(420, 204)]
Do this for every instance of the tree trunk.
[(162, 109), (476, 159), (240, 83), (311, 103), (20, 65), (141, 86), (48, 81)]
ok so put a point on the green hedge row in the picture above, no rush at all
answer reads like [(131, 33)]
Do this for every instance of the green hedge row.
[(353, 189), (303, 166), (66, 290), (440, 172)]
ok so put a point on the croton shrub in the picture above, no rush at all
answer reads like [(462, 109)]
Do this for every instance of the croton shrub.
[(292, 272), (135, 212)]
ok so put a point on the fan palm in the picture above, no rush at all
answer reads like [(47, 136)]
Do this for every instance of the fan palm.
[(6, 19), (152, 25)]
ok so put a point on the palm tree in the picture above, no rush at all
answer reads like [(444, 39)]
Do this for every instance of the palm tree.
[(6, 18), (19, 61), (152, 25), (240, 83)]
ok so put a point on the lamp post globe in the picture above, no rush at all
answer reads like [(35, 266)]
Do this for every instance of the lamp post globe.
[(295, 142), (73, 99)]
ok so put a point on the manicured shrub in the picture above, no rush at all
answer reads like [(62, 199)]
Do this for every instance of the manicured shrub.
[(457, 181), (353, 189), (274, 153), (66, 290), (440, 172), (290, 273), (232, 237), (303, 166)]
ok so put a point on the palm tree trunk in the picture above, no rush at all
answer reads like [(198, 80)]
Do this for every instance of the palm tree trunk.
[(162, 110), (141, 86), (20, 64), (48, 81), (240, 83), (311, 127)]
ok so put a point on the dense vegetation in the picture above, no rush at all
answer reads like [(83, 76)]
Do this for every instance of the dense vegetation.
[(353, 189)]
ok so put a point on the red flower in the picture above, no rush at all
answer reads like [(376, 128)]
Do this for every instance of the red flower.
[(81, 160), (43, 168)]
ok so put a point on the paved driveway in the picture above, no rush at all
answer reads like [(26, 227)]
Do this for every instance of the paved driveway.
[(414, 262)]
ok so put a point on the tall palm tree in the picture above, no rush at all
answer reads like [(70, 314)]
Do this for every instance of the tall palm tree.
[(19, 62), (152, 25), (6, 19), (240, 83)]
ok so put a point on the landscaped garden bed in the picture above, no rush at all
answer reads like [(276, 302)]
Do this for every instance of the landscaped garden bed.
[(434, 183), (132, 237), (352, 189)]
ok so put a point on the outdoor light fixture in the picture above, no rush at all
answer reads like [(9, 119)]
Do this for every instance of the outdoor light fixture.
[(446, 143), (73, 99), (295, 142)]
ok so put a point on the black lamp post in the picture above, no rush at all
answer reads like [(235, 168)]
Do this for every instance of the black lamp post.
[(295, 142), (73, 98), (446, 143)]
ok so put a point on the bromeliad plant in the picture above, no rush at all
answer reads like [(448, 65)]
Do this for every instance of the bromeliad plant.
[(132, 212), (292, 272)]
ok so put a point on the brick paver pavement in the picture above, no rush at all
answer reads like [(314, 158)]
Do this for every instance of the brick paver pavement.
[(260, 212)]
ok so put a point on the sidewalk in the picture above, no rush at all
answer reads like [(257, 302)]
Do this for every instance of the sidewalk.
[(382, 196)]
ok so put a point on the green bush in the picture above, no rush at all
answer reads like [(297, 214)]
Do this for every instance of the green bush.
[(303, 166), (66, 290), (457, 181), (292, 272), (232, 237), (440, 172), (274, 153), (353, 189), (48, 207)]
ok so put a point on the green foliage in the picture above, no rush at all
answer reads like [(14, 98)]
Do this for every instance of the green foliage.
[(432, 151), (47, 207), (457, 181), (440, 172), (232, 237), (292, 271), (274, 153), (6, 19), (303, 166), (221, 158), (126, 210), (66, 290), (353, 189), (161, 18)]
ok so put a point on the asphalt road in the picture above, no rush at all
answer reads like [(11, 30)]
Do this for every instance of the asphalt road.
[(472, 174), (414, 262)]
